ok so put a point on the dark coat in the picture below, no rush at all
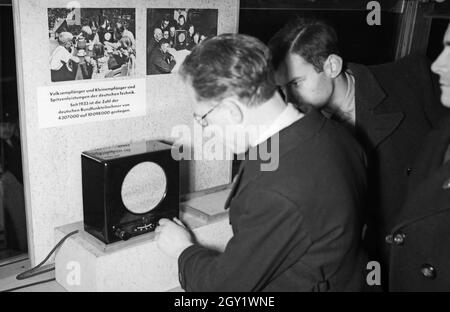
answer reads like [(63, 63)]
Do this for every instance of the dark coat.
[(396, 107), (159, 63), (420, 253), (152, 45), (297, 228)]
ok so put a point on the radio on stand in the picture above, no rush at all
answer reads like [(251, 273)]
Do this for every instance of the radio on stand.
[(128, 188)]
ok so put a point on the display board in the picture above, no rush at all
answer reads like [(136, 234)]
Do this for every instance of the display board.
[(82, 88)]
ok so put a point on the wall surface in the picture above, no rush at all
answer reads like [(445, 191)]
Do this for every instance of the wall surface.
[(52, 163)]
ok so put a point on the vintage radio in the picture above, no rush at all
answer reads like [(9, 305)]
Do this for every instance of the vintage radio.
[(128, 188)]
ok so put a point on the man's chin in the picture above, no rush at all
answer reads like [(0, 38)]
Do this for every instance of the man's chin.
[(445, 99)]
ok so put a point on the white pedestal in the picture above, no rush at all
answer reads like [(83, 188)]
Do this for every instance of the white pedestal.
[(84, 263)]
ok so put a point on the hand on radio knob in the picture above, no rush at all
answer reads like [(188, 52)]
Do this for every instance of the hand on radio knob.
[(172, 237)]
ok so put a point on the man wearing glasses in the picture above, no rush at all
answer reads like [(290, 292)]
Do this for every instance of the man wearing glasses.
[(296, 228), (390, 108)]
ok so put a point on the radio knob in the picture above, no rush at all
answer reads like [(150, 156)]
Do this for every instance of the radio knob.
[(122, 234)]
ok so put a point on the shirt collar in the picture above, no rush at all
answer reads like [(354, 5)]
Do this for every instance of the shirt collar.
[(284, 120)]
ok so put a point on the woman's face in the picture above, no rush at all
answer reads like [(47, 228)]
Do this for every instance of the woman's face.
[(191, 30), (181, 20), (196, 38)]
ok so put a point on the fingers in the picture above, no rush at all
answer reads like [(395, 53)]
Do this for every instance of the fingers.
[(177, 221), (163, 222)]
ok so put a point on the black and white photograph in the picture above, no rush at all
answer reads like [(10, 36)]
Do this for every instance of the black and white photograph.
[(265, 147), (173, 33), (88, 43)]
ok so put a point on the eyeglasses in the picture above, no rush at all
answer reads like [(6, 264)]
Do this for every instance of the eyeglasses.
[(202, 119)]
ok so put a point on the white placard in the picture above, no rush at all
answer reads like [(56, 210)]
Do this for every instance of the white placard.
[(63, 105)]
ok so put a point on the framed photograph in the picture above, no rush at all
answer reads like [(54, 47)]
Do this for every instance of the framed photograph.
[(88, 43), (173, 33)]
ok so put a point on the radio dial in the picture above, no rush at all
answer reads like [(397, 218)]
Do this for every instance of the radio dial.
[(122, 234)]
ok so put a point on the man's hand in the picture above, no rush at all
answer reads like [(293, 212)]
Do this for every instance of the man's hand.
[(172, 237)]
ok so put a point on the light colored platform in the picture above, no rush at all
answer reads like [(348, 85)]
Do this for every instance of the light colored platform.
[(84, 263), (40, 283)]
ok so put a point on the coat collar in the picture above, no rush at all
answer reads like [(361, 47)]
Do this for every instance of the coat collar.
[(288, 139), (371, 125)]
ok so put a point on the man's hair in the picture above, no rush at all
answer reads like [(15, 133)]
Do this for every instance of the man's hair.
[(230, 65), (163, 41), (312, 39), (166, 17)]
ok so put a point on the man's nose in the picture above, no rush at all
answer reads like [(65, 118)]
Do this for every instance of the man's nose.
[(441, 64)]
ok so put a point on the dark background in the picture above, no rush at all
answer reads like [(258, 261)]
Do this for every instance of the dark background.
[(359, 42), (204, 20)]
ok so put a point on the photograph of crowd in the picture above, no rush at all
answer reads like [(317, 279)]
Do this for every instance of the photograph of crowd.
[(173, 33), (91, 43)]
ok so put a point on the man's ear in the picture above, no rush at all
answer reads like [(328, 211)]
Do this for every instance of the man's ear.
[(234, 110), (333, 65)]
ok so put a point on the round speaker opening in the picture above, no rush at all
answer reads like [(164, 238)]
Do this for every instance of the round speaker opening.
[(144, 187)]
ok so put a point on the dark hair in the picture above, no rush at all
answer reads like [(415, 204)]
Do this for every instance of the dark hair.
[(102, 19), (93, 23), (230, 65), (98, 51), (312, 39), (162, 41)]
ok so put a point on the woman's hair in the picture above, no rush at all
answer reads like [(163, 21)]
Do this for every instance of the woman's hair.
[(125, 42)]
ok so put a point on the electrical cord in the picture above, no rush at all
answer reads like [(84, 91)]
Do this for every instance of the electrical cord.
[(29, 285), (35, 271)]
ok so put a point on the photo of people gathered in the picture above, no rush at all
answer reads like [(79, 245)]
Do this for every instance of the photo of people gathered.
[(91, 43), (173, 33)]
